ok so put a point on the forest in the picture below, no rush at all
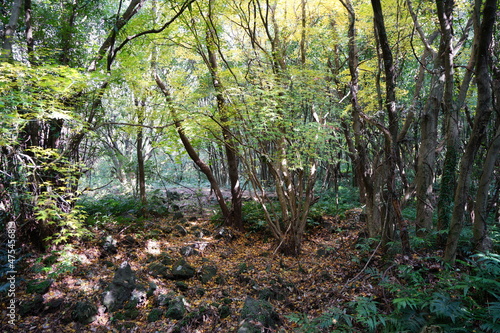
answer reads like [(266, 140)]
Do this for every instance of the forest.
[(250, 166)]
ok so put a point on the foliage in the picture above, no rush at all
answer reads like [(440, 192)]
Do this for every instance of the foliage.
[(423, 294), (54, 197), (342, 321), (253, 216), (119, 206), (58, 262), (332, 203)]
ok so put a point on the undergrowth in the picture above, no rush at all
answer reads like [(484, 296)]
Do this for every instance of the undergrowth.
[(426, 294)]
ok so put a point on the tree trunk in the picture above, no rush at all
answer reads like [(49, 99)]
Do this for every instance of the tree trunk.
[(141, 177), (230, 144), (30, 42), (357, 151), (10, 31), (427, 152), (482, 242), (390, 137), (440, 96), (204, 168), (483, 112)]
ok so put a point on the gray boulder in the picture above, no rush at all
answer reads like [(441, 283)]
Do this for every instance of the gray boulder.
[(257, 314), (181, 270), (120, 289)]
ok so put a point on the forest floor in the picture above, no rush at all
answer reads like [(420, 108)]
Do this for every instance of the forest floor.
[(329, 273)]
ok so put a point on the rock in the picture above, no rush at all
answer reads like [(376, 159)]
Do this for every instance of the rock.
[(38, 286), (31, 307), (84, 312), (120, 289), (157, 269), (109, 245), (180, 230), (163, 299), (224, 233), (176, 309), (257, 313), (188, 251), (165, 259), (207, 273), (181, 285), (53, 305), (181, 270), (139, 295), (155, 315)]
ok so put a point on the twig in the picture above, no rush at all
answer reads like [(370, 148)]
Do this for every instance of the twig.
[(363, 269)]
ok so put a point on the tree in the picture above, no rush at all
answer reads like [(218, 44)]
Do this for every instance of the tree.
[(484, 110)]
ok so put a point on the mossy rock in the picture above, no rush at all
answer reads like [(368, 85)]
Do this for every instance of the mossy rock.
[(207, 273), (181, 285), (176, 309), (132, 304), (181, 270), (38, 286), (155, 315), (157, 269), (32, 306), (258, 311), (84, 312)]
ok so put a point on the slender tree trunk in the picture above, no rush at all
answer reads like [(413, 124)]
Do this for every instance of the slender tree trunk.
[(230, 145), (391, 145), (204, 168), (10, 30), (141, 177), (482, 242), (427, 152), (483, 112), (448, 179), (28, 22), (358, 151)]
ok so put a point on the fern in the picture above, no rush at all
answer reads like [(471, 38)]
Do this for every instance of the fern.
[(491, 327), (489, 263), (444, 307), (494, 311), (405, 303), (367, 313), (334, 318)]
